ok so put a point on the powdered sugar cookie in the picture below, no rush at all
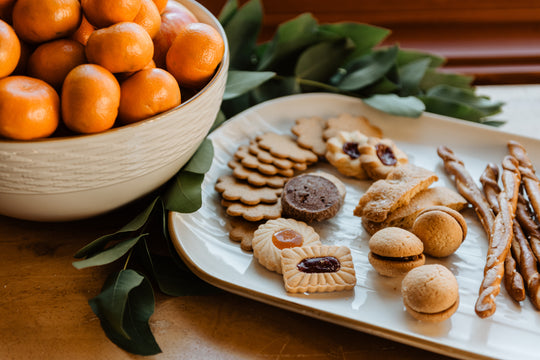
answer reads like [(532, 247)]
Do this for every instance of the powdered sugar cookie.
[(348, 122), (380, 156), (343, 153), (318, 269), (284, 146), (310, 134), (275, 235)]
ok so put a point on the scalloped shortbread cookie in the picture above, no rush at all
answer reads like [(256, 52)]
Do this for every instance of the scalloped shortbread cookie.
[(322, 268), (272, 237)]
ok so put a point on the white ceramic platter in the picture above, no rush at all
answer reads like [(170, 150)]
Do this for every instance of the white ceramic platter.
[(375, 305)]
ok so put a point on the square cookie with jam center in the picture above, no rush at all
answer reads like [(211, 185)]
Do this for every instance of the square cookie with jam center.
[(324, 268)]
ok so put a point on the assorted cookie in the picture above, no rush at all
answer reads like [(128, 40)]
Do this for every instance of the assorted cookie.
[(318, 269), (272, 201), (272, 237)]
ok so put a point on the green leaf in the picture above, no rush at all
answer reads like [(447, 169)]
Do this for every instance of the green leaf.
[(364, 36), (172, 279), (368, 69), (382, 86), (242, 30), (408, 106), (466, 97), (134, 225), (108, 256), (227, 11), (183, 194), (320, 61), (432, 78), (411, 75), (451, 108), (407, 56), (290, 39), (201, 161), (124, 307), (276, 87), (240, 82), (220, 119)]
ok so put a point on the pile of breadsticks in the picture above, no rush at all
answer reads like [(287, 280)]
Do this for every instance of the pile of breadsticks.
[(509, 214)]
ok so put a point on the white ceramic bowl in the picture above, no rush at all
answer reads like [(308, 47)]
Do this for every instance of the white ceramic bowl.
[(60, 179)]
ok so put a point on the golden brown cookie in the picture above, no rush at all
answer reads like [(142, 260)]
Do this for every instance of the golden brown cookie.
[(401, 185), (405, 215), (254, 177), (257, 212), (242, 232), (233, 189), (267, 158), (309, 132), (272, 237), (284, 146), (250, 161), (441, 229), (322, 268), (380, 156), (348, 122), (343, 153)]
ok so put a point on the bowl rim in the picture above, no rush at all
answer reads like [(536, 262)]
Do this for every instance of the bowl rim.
[(222, 68)]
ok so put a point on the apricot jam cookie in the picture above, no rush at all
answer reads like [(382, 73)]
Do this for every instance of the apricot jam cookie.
[(380, 156), (342, 151), (275, 235), (322, 268)]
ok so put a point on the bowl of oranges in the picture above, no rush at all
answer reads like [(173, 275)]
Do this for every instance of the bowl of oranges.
[(102, 101)]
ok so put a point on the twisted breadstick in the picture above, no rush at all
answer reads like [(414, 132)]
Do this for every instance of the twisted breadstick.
[(500, 239), (528, 175), (526, 220), (467, 187), (513, 281)]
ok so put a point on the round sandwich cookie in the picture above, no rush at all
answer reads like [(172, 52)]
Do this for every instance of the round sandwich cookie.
[(395, 251), (441, 229), (430, 293), (312, 197)]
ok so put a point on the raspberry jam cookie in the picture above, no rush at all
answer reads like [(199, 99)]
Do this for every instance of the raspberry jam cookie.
[(342, 151), (380, 156), (276, 235), (318, 269)]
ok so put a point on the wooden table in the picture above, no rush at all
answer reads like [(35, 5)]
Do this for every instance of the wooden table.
[(44, 311)]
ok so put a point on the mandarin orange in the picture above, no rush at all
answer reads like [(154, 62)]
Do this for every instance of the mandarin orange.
[(195, 54), (147, 93), (90, 99), (103, 13), (148, 17), (29, 108), (121, 47), (37, 21), (83, 32), (52, 61), (10, 49)]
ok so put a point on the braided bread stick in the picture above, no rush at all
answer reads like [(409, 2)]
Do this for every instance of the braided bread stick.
[(500, 239), (467, 187), (513, 281), (528, 176), (526, 220), (526, 260)]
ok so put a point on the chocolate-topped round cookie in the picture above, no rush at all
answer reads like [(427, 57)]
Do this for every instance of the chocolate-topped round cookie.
[(310, 197)]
